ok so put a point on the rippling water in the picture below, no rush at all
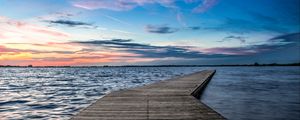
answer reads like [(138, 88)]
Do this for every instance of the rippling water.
[(255, 93), (238, 93), (59, 93)]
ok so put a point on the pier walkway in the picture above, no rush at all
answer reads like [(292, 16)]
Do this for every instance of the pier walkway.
[(173, 99)]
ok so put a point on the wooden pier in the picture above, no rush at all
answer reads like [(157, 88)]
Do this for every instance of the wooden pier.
[(174, 99)]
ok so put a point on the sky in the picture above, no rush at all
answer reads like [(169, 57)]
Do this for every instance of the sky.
[(148, 32)]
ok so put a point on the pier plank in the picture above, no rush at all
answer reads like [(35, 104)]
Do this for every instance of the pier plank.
[(173, 99)]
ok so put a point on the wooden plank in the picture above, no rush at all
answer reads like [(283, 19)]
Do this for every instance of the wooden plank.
[(173, 99)]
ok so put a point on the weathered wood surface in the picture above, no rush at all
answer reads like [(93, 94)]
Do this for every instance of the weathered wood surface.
[(173, 99)]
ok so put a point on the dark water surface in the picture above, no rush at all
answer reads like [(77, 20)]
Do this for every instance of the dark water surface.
[(238, 93), (255, 93)]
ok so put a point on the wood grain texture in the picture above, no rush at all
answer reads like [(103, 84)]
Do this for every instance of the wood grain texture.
[(173, 99)]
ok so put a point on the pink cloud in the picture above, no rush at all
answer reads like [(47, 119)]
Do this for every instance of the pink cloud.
[(51, 32), (190, 1), (180, 19), (5, 49), (16, 23), (39, 29), (2, 36), (16, 30), (9, 56), (206, 4)]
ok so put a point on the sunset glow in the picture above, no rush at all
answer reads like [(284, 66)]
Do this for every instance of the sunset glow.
[(135, 32)]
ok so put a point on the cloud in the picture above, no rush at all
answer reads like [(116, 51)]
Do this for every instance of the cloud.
[(119, 5), (58, 15), (174, 52), (151, 51), (180, 19), (231, 50), (116, 43), (148, 51), (34, 48), (58, 54), (231, 37), (206, 4), (240, 51), (127, 51), (16, 30), (246, 50), (273, 44), (190, 1), (65, 19), (290, 38), (165, 29), (121, 40), (194, 28), (50, 32), (160, 29), (125, 5), (71, 23), (115, 19), (124, 32), (4, 49)]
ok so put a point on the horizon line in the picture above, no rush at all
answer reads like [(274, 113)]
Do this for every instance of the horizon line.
[(195, 65)]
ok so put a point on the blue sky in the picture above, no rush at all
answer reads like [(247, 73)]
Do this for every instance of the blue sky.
[(122, 32)]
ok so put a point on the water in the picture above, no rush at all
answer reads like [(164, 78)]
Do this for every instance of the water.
[(238, 93), (59, 93), (255, 93)]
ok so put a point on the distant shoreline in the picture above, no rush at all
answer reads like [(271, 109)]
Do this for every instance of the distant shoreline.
[(237, 65)]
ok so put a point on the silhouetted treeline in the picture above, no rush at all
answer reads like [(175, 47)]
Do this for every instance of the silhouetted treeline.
[(224, 65)]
